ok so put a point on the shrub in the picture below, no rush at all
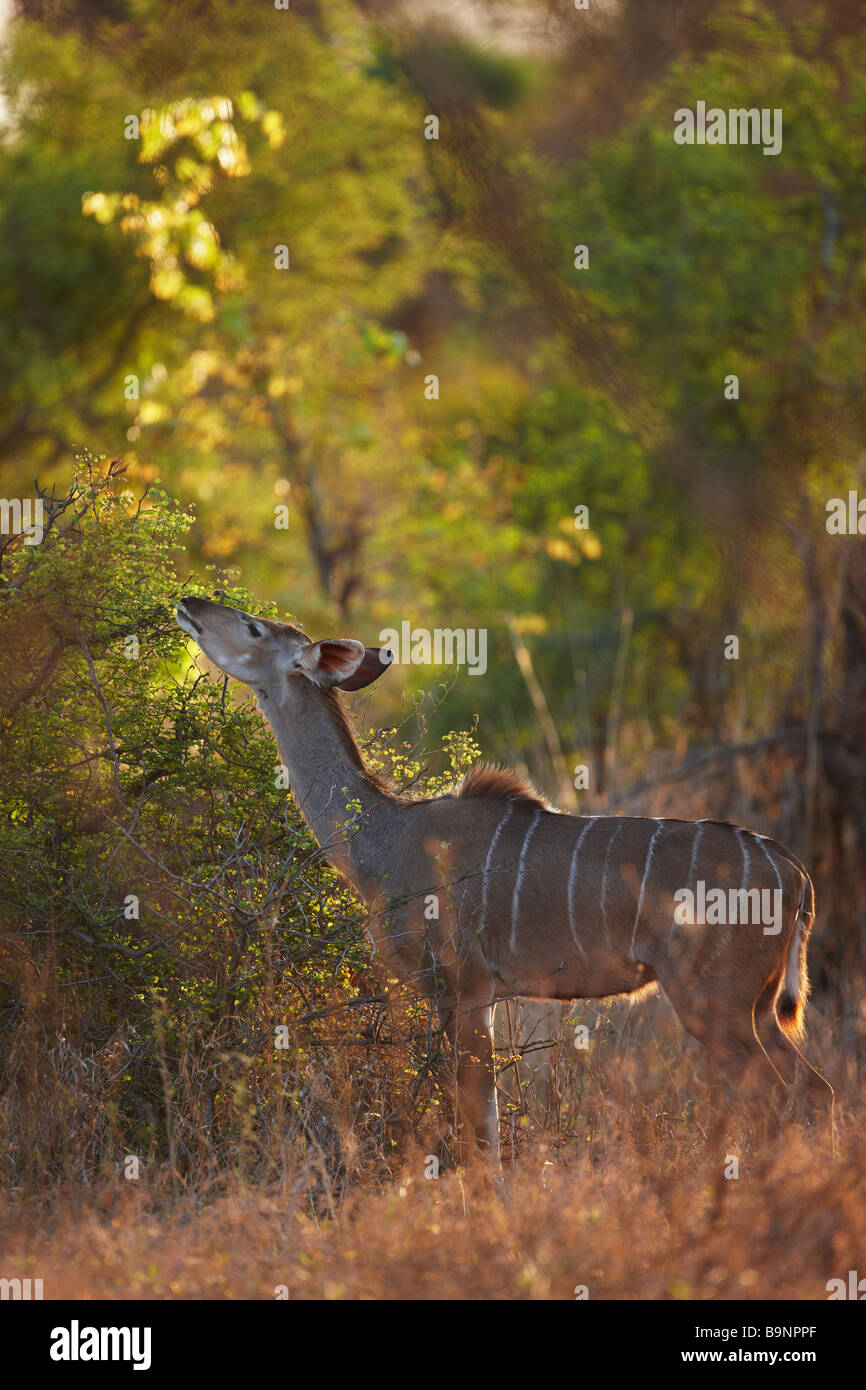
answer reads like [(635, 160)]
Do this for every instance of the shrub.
[(183, 978)]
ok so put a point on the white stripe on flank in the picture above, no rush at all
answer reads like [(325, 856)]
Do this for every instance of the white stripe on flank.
[(746, 860), (744, 884), (520, 871), (619, 827), (493, 843), (660, 825), (694, 864), (773, 865), (692, 869), (572, 881)]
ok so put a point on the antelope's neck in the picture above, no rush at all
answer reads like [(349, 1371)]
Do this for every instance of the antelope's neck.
[(351, 818)]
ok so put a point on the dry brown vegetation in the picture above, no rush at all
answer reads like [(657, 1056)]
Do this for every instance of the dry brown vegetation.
[(624, 1193)]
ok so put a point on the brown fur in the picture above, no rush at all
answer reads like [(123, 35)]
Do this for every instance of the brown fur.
[(342, 723), (491, 779)]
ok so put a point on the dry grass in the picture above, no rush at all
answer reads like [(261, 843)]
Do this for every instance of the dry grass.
[(643, 1226), (627, 1197)]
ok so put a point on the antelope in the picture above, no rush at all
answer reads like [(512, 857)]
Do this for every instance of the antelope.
[(526, 900)]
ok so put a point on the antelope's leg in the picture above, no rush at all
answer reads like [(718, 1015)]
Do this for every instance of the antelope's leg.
[(729, 1037), (470, 1028), (782, 1053), (811, 1088)]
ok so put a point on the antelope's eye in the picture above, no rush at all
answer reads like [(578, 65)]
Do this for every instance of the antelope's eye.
[(253, 630)]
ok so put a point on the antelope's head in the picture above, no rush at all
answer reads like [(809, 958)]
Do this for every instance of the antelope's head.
[(263, 653)]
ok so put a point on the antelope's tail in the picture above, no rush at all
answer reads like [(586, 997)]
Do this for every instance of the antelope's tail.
[(790, 1002)]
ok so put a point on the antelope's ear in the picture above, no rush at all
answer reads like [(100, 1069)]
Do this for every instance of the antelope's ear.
[(343, 662), (374, 662), (331, 662)]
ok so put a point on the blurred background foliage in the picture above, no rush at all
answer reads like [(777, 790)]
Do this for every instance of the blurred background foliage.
[(230, 258), (144, 314)]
